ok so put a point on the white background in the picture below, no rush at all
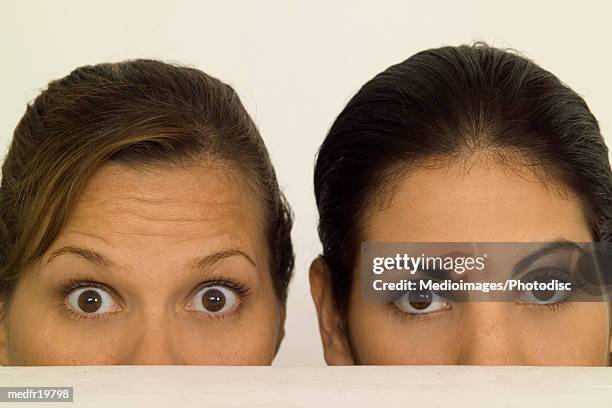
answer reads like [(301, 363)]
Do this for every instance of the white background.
[(295, 65)]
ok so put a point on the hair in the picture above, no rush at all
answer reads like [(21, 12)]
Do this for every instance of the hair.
[(441, 106), (132, 112)]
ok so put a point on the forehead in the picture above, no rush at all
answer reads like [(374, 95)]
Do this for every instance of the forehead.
[(125, 208), (485, 202)]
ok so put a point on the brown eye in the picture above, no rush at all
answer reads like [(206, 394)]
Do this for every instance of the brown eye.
[(421, 299), (421, 302), (214, 300), (541, 295), (91, 301)]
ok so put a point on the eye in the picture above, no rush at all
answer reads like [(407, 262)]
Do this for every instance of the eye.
[(421, 302), (214, 300), (91, 300), (542, 296)]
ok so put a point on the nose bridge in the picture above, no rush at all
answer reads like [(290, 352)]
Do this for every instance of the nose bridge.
[(489, 335), (151, 339)]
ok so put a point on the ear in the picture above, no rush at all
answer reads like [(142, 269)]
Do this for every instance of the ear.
[(336, 346), (281, 329), (3, 337), (610, 352)]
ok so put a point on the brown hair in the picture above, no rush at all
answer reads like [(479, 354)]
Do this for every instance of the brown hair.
[(138, 111)]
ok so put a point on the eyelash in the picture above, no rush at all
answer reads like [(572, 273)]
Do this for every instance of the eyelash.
[(74, 284), (554, 273), (392, 308), (553, 307), (242, 290)]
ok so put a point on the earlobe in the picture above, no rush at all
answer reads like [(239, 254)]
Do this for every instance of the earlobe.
[(335, 343)]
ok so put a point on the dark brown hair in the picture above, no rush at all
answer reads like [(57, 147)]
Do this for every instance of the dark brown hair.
[(443, 105), (134, 112)]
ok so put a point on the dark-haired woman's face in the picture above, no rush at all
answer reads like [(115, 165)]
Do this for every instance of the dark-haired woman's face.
[(155, 266), (488, 203)]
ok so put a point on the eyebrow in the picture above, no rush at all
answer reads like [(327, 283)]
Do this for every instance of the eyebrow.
[(106, 263), (443, 272), (209, 260), (547, 248), (85, 253)]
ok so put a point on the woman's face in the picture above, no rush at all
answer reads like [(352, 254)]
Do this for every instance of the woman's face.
[(155, 266), (486, 204)]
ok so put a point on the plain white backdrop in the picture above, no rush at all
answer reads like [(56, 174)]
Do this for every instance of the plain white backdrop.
[(295, 65)]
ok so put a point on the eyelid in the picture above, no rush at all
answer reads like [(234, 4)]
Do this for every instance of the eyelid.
[(76, 284), (241, 290), (434, 274), (73, 284), (436, 298), (554, 272), (217, 314), (551, 272), (548, 248), (393, 308)]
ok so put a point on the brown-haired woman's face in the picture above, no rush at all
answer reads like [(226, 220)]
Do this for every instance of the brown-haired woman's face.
[(488, 203), (154, 266)]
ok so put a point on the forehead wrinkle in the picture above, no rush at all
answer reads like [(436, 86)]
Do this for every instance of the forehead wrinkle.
[(162, 210), (136, 222), (142, 215), (178, 219), (188, 228), (153, 187), (88, 234), (164, 200), (184, 206)]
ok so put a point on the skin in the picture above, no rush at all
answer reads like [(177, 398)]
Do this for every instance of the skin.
[(164, 233), (480, 203)]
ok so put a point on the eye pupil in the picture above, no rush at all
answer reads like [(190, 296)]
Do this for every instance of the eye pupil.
[(544, 295), (420, 299), (213, 300), (90, 301)]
